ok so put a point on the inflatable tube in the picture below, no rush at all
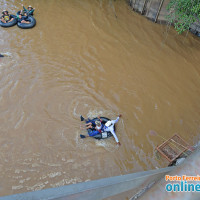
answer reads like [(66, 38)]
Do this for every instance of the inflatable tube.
[(102, 135), (9, 24), (27, 26)]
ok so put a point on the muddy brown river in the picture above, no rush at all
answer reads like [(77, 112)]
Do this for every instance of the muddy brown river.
[(91, 57)]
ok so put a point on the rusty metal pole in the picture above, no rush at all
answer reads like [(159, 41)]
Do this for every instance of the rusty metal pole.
[(161, 3)]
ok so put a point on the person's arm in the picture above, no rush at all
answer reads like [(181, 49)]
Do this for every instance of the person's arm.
[(115, 121), (24, 8), (99, 118), (99, 130), (31, 12), (2, 19)]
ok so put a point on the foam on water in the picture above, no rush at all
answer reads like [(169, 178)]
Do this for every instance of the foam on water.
[(7, 54), (107, 144)]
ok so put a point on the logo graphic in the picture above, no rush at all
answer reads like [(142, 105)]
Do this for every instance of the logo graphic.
[(185, 183)]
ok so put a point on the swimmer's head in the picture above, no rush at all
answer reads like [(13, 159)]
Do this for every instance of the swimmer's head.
[(5, 12), (30, 7), (98, 123)]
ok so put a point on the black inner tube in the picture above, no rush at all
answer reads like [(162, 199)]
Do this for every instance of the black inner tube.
[(27, 25), (99, 136), (9, 24)]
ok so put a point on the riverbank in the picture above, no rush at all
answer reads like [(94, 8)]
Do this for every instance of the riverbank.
[(156, 11)]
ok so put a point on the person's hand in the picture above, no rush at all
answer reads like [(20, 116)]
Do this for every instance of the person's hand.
[(120, 115), (98, 117)]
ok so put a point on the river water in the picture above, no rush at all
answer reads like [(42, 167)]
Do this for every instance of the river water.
[(91, 57)]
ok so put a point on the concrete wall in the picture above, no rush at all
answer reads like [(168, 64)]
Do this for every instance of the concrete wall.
[(154, 10), (146, 185), (98, 189)]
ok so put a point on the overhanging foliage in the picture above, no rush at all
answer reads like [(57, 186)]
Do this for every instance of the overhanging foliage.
[(182, 13)]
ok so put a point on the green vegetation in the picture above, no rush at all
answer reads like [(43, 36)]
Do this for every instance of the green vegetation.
[(182, 13)]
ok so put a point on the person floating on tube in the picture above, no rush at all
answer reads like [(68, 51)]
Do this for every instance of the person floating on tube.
[(109, 126), (99, 127), (28, 11), (6, 17)]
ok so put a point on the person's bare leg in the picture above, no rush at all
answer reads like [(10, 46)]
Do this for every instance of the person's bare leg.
[(3, 20), (89, 127), (82, 128), (88, 124), (11, 20), (25, 22), (85, 125)]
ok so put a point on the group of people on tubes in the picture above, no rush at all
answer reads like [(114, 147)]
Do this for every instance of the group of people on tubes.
[(100, 127), (21, 16)]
